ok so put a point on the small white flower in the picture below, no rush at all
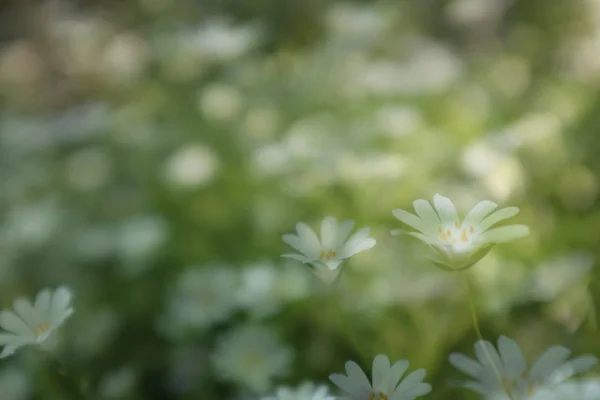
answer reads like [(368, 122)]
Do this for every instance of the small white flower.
[(252, 356), (306, 391), (458, 245), (34, 324), (387, 384), (327, 254), (582, 390), (202, 297), (506, 371)]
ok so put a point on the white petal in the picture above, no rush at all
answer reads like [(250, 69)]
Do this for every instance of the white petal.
[(549, 362), (396, 372), (25, 310), (329, 229), (512, 357), (11, 339), (310, 242), (324, 273), (12, 323), (381, 373), (477, 387), (488, 357), (295, 242), (357, 375), (42, 302), (297, 257), (59, 304), (503, 234), (409, 383), (479, 212), (8, 351), (343, 232), (366, 244), (424, 238), (410, 219), (498, 216), (572, 367), (428, 216), (445, 209), (348, 385), (467, 365)]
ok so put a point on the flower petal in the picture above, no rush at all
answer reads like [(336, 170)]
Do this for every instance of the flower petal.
[(348, 385), (381, 373), (12, 323), (572, 367), (59, 305), (309, 240), (488, 357), (358, 242), (410, 219), (329, 229), (428, 216), (549, 362), (479, 212), (396, 372), (357, 375), (467, 365), (297, 257), (503, 234), (42, 302), (512, 357), (408, 384), (343, 232), (28, 314), (498, 216), (445, 209), (294, 241), (8, 351)]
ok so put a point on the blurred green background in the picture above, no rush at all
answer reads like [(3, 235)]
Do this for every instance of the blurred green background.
[(153, 152)]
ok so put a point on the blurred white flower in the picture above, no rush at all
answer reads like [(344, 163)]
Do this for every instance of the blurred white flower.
[(257, 289), (459, 245), (118, 384), (506, 371), (306, 391), (387, 381), (34, 324), (252, 356), (203, 296), (218, 40), (358, 23), (191, 167), (327, 254), (88, 169), (220, 102), (576, 390), (33, 225), (139, 239), (14, 384), (124, 58)]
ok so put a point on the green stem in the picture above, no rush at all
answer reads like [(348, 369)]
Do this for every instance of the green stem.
[(473, 311)]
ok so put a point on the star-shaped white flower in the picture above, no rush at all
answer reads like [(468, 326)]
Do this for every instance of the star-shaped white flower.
[(327, 254), (387, 384), (505, 371), (458, 245), (306, 391), (34, 324)]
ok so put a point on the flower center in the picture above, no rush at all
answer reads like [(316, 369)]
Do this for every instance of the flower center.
[(456, 234), (378, 396), (327, 255), (41, 328)]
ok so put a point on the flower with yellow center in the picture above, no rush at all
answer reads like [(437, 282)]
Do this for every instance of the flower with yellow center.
[(459, 244), (498, 373), (34, 324), (326, 255), (387, 381)]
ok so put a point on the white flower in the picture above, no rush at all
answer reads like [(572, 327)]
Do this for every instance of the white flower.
[(506, 371), (327, 254), (583, 390), (34, 324), (458, 245), (306, 391), (385, 381), (252, 356), (202, 297)]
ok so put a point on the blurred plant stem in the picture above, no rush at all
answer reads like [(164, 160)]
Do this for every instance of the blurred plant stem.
[(335, 298), (473, 311), (69, 380)]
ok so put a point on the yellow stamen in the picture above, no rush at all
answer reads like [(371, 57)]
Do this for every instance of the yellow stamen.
[(444, 237), (41, 328), (464, 237), (472, 230), (382, 396), (449, 232), (372, 396), (440, 230), (322, 254), (457, 225)]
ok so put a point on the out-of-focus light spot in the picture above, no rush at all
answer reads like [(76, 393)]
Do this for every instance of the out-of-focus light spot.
[(469, 12), (20, 64), (155, 6), (118, 384), (88, 169), (397, 121), (480, 158), (505, 179), (140, 239), (33, 225), (555, 275), (353, 21), (191, 167), (261, 123), (271, 159), (370, 167), (510, 76), (218, 40), (124, 58), (220, 102), (577, 188)]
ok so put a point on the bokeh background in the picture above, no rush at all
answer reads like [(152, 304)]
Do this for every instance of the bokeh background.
[(153, 152)]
